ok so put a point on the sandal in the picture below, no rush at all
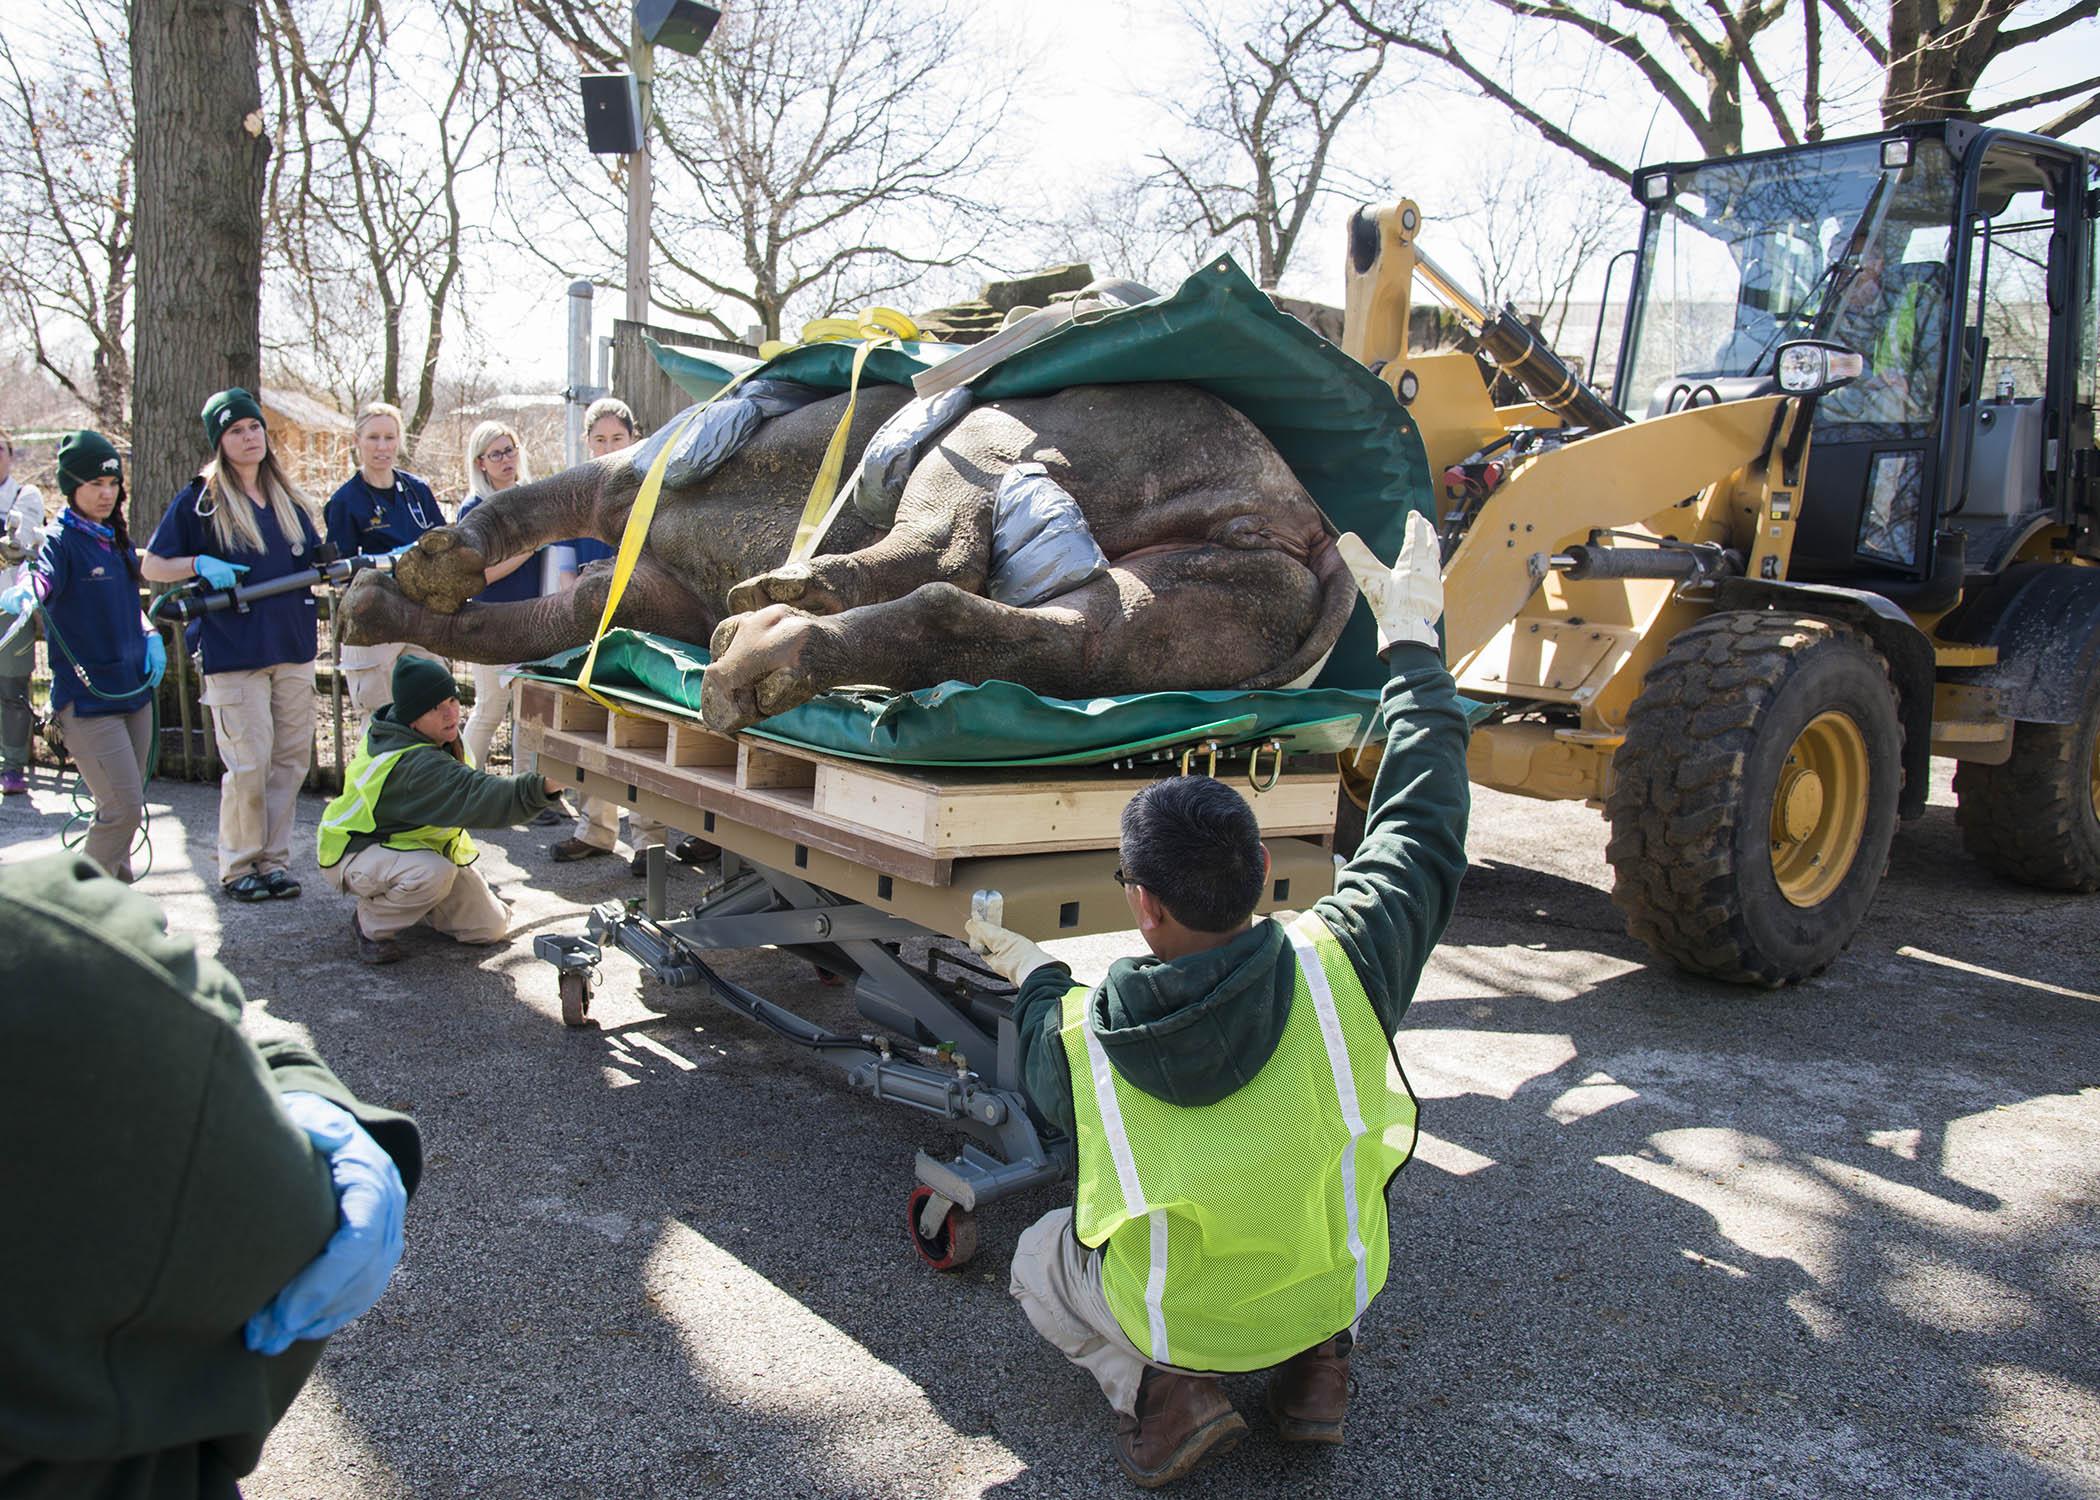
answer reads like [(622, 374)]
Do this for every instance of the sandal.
[(249, 887), (281, 885)]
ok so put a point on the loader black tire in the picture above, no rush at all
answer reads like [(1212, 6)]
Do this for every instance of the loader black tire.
[(1709, 784), (2036, 819)]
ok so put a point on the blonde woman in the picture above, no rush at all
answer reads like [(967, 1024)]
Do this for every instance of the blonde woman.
[(378, 509), (243, 520), (496, 461)]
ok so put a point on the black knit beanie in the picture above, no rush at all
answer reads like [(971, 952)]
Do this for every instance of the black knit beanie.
[(420, 685)]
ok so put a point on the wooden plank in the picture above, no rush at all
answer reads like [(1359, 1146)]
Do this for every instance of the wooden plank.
[(536, 702), (977, 818), (636, 732), (690, 745), (757, 767), (574, 713)]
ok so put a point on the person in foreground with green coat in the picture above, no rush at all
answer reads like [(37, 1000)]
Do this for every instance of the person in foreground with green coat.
[(187, 1214), (1236, 1103), (396, 836)]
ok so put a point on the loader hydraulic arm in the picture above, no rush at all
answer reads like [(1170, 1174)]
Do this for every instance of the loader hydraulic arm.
[(1383, 262)]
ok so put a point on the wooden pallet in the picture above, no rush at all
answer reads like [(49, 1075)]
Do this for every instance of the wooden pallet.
[(911, 821)]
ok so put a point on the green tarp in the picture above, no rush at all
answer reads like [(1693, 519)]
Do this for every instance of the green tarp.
[(1338, 426)]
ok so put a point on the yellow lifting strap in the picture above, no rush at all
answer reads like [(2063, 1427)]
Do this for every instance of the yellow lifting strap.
[(879, 327)]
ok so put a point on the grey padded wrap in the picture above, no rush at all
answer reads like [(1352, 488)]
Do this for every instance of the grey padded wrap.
[(896, 449), (722, 428), (1041, 546)]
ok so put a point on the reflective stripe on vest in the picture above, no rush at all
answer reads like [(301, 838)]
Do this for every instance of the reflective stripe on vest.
[(355, 810), (1263, 1215)]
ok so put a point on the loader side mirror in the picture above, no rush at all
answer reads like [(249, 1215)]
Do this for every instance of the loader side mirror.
[(1809, 367)]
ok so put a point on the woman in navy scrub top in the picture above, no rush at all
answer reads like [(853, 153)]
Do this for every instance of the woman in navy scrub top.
[(105, 658), (242, 519), (379, 509), (495, 462)]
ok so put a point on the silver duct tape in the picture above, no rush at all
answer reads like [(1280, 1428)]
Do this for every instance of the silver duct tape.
[(1041, 545)]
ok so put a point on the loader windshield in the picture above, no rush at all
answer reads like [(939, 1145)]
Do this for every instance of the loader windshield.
[(1741, 255)]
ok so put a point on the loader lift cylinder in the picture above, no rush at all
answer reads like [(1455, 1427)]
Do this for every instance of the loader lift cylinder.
[(1517, 352)]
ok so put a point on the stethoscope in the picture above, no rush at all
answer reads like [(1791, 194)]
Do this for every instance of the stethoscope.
[(415, 506)]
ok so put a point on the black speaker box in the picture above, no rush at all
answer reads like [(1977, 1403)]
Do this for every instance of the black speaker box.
[(612, 113)]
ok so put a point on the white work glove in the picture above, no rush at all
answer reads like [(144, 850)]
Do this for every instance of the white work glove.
[(1408, 599), (1011, 956)]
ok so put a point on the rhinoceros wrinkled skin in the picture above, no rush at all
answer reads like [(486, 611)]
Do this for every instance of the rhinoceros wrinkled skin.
[(1222, 571)]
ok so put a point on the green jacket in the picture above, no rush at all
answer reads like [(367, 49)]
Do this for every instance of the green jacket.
[(442, 791), (1194, 1030), (155, 1197)]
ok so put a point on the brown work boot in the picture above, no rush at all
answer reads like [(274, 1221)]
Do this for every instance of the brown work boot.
[(1181, 1420), (1309, 1393), (375, 950)]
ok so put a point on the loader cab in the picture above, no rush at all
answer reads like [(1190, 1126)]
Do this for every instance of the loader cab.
[(1960, 262)]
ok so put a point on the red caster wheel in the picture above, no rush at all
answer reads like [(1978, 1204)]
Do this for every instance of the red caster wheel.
[(951, 1246), (575, 986)]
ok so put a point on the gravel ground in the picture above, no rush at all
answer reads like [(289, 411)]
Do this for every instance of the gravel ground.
[(1663, 1238)]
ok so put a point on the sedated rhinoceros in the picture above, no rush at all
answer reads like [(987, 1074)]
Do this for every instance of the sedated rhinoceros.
[(1222, 572)]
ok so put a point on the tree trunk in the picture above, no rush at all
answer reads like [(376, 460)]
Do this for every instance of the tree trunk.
[(200, 182)]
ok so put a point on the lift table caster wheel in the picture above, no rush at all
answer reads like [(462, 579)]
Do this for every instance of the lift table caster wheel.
[(953, 1245), (575, 987)]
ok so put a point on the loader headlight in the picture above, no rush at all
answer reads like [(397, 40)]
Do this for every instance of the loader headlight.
[(1810, 366)]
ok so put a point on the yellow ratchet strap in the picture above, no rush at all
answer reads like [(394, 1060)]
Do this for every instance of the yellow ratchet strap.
[(636, 534)]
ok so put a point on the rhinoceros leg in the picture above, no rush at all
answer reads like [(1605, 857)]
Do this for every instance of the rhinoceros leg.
[(1195, 617), (375, 610)]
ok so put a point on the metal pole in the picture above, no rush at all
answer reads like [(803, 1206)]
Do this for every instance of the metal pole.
[(641, 62), (580, 294)]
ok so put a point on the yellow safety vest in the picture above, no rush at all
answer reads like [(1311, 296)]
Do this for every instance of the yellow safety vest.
[(1243, 1232), (355, 810)]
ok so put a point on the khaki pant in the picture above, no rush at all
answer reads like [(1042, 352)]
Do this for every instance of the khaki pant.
[(368, 673), (1057, 1281), (110, 751), (491, 707), (397, 888), (265, 723), (598, 824)]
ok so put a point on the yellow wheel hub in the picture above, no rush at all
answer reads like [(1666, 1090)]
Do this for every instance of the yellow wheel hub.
[(1819, 809)]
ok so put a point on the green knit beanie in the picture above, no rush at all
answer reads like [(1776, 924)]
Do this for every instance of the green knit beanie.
[(420, 685), (83, 458), (225, 409)]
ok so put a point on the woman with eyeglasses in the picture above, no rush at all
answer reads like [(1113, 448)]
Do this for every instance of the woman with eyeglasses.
[(377, 510), (495, 462), (243, 520)]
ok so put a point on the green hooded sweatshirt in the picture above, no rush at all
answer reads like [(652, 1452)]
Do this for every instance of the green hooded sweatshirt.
[(1195, 1030), (154, 1196), (441, 790)]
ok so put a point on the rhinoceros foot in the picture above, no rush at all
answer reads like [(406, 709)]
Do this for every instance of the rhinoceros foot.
[(765, 663), (441, 571), (374, 612), (793, 583)]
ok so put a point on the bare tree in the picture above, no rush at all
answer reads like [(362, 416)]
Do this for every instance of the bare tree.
[(365, 203), (1535, 237), (1126, 227), (811, 157), (66, 205), (1718, 64), (200, 164), (1278, 91)]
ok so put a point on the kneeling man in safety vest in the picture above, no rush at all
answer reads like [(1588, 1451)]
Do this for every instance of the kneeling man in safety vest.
[(396, 838), (1236, 1103)]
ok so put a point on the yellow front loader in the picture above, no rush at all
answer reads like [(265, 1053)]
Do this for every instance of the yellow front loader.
[(1738, 605)]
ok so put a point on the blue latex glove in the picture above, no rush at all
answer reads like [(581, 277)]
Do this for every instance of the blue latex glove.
[(156, 659), (17, 600), (220, 575), (352, 1270)]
